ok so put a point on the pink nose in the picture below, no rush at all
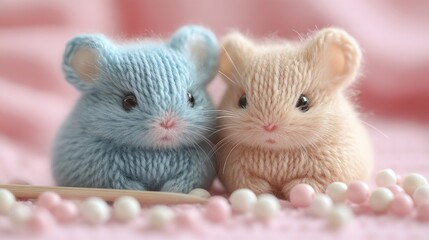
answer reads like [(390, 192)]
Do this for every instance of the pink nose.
[(270, 127), (168, 123)]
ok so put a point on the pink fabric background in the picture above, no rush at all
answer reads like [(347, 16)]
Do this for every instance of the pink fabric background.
[(34, 97)]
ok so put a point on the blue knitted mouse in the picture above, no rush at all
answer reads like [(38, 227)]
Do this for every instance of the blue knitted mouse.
[(144, 117)]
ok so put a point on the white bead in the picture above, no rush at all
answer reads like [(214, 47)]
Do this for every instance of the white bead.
[(126, 208), (199, 192), (7, 200), (95, 210), (421, 195), (385, 178), (159, 217), (337, 191), (267, 206), (339, 216), (20, 214), (412, 181), (380, 200), (321, 206), (242, 200)]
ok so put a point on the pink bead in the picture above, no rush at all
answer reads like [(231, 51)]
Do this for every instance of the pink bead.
[(41, 221), (48, 200), (402, 205), (188, 219), (358, 192), (302, 195), (423, 212), (218, 209), (66, 210), (395, 189)]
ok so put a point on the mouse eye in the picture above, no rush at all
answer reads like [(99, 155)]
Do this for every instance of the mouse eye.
[(129, 102), (191, 100), (242, 102), (303, 104)]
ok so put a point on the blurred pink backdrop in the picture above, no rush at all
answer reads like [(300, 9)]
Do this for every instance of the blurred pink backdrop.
[(35, 98)]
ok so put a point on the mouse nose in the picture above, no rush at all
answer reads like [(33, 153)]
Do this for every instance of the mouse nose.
[(269, 127), (167, 123)]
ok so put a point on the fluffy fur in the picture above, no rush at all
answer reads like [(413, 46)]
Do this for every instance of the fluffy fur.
[(325, 144), (162, 143)]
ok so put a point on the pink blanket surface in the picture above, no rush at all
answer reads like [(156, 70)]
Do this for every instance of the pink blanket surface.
[(35, 99)]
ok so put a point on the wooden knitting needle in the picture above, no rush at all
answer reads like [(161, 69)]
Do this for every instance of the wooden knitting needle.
[(144, 197)]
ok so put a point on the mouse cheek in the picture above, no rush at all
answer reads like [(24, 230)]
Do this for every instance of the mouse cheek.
[(310, 130)]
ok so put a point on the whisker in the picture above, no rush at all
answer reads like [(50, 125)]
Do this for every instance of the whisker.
[(232, 62), (207, 157), (227, 116), (222, 143), (209, 129), (221, 129), (228, 78), (376, 129), (232, 149), (217, 110), (220, 111), (205, 139)]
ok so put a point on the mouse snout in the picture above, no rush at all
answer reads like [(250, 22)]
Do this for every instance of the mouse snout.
[(271, 127), (168, 123)]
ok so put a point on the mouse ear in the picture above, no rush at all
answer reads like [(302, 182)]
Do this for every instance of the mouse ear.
[(200, 46), (337, 53), (235, 50), (81, 60)]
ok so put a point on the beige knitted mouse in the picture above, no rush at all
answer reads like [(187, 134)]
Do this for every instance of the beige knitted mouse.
[(286, 118)]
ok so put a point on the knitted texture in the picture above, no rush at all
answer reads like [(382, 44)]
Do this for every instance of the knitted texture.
[(144, 118), (297, 124)]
